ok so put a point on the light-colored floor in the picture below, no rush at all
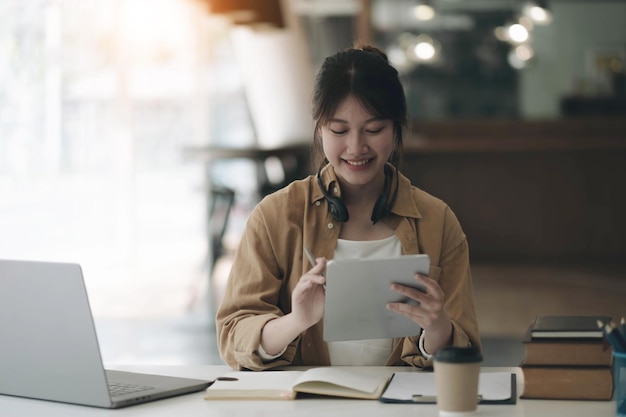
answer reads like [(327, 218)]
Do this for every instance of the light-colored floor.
[(508, 297)]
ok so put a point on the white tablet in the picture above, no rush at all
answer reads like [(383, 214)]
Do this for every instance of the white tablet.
[(357, 292)]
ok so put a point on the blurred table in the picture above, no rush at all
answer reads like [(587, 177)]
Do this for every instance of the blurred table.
[(295, 160), (295, 163)]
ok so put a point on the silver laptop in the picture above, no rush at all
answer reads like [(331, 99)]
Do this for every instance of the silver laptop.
[(357, 292), (49, 348)]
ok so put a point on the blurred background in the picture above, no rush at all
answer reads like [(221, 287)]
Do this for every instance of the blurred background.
[(136, 136)]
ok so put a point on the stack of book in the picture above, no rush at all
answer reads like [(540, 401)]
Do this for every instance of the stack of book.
[(567, 357)]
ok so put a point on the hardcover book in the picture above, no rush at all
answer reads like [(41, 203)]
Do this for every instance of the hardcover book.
[(567, 357), (567, 382), (567, 352), (567, 327)]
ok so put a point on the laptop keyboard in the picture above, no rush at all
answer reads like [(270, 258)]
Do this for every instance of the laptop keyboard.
[(118, 388)]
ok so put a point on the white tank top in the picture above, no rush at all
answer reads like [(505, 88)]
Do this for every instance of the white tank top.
[(371, 352)]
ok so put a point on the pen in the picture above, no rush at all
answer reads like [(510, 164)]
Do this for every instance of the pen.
[(312, 260), (309, 255), (613, 336)]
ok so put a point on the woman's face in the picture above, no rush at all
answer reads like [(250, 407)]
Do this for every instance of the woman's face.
[(357, 143)]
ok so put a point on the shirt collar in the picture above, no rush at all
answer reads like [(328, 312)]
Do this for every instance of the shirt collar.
[(405, 204), (329, 180)]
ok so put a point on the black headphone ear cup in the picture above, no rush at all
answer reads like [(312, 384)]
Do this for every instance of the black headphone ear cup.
[(380, 209), (337, 209)]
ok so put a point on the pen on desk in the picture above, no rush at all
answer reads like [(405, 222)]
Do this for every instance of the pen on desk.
[(613, 336)]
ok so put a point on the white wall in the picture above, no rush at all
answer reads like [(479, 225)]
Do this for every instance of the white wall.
[(278, 80)]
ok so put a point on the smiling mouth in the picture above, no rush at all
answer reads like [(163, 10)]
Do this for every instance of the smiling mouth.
[(358, 163)]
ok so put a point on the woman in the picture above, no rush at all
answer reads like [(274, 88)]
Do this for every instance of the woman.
[(358, 205)]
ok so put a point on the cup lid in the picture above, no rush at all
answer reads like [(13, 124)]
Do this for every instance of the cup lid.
[(453, 354)]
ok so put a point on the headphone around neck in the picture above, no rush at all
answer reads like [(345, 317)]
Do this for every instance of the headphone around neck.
[(337, 208)]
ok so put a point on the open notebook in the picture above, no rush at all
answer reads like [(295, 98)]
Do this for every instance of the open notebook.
[(348, 382)]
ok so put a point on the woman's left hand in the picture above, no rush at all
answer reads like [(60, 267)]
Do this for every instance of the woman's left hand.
[(429, 312)]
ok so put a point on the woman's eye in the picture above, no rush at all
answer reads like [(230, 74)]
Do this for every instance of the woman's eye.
[(338, 132), (374, 131)]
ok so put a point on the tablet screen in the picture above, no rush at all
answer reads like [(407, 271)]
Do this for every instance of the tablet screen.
[(357, 292)]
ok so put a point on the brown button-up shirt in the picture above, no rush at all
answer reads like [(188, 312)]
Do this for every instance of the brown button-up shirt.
[(270, 260)]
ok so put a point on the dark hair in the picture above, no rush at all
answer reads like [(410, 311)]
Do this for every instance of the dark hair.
[(365, 73)]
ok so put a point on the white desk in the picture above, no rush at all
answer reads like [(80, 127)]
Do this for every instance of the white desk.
[(193, 405)]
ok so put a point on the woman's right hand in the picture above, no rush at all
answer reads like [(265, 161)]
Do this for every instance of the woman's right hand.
[(307, 298), (307, 308)]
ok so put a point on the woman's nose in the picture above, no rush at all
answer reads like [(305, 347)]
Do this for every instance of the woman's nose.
[(357, 143)]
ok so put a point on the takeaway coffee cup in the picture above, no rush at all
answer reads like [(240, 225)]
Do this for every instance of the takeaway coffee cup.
[(456, 376)]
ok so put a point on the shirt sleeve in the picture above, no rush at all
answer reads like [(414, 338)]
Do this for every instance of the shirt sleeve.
[(251, 299), (266, 357)]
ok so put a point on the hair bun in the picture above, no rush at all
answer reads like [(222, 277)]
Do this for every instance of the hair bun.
[(373, 50)]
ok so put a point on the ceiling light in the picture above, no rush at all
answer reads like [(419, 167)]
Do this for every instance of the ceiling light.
[(524, 52), (424, 50), (521, 56), (538, 12), (500, 33), (517, 33), (397, 57), (424, 11), (526, 22)]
